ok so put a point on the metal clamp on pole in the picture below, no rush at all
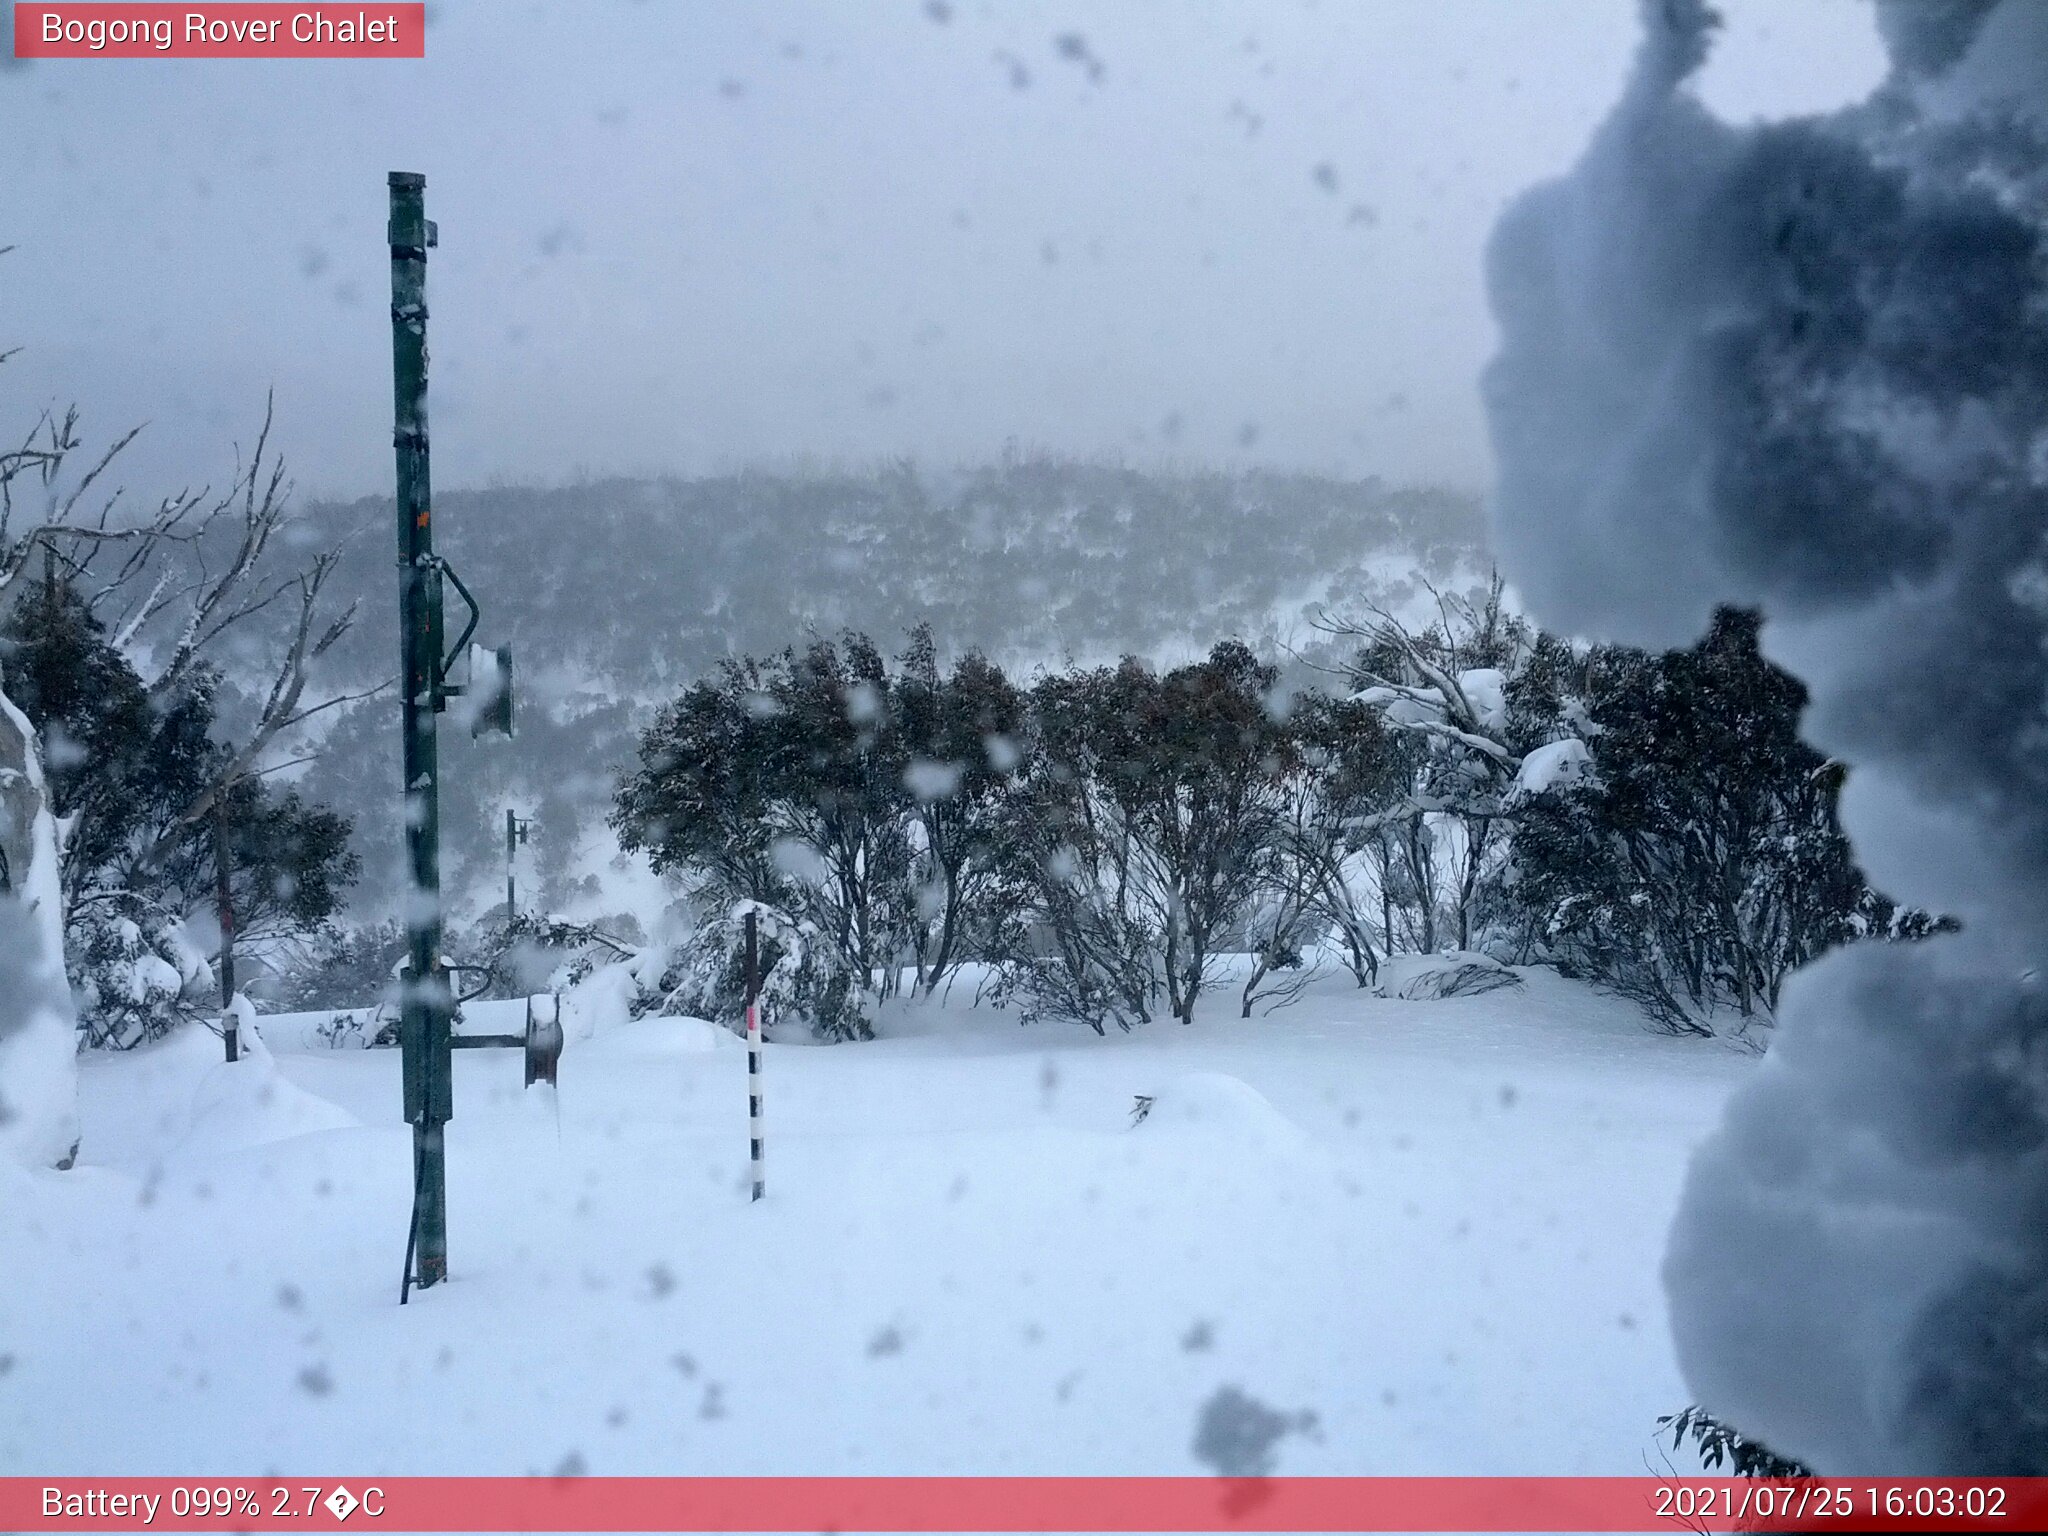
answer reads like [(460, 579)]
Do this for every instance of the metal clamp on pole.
[(516, 829), (543, 1038)]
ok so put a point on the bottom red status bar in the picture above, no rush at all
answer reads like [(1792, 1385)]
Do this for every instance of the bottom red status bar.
[(1025, 1504)]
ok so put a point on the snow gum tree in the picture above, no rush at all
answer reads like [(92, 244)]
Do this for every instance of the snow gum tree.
[(1444, 691), (1652, 821), (1344, 785), (1204, 761), (1085, 945), (1099, 840), (961, 735), (858, 799), (1700, 862), (1147, 826), (127, 753)]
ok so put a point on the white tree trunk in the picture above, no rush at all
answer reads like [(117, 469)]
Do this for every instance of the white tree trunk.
[(38, 1026)]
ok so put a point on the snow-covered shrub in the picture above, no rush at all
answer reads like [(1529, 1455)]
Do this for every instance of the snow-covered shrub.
[(153, 804), (1448, 696), (342, 967), (1687, 854), (1455, 973), (135, 974), (705, 976), (250, 1103), (1343, 783), (542, 953), (610, 995), (359, 1029), (783, 781)]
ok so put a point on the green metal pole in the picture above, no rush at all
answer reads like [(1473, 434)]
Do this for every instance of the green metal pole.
[(427, 1004)]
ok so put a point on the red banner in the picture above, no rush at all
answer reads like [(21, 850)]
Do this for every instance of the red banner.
[(1677, 1505), (216, 31)]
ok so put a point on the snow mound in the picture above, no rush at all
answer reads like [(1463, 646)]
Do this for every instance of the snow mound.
[(1223, 1109), (1403, 706), (657, 1038), (249, 1103), (330, 1029), (1430, 978), (1486, 690), (1555, 765), (602, 1001)]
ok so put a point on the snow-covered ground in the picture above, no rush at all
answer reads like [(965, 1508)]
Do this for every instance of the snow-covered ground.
[(1434, 1226)]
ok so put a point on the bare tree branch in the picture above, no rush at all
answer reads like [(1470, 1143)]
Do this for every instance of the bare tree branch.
[(215, 601)]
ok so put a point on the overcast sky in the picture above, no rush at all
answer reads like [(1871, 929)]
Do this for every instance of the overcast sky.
[(688, 236)]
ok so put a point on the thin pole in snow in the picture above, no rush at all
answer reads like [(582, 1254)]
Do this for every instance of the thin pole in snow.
[(516, 828), (230, 1030), (754, 1052)]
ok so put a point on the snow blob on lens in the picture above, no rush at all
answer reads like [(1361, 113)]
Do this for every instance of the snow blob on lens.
[(930, 781), (1804, 365)]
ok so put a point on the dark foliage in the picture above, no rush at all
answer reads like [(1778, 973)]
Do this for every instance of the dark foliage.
[(125, 768), (343, 968), (1720, 1445), (1702, 862), (1101, 838)]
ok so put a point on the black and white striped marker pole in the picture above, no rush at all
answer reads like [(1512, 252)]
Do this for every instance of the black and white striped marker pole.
[(754, 1053)]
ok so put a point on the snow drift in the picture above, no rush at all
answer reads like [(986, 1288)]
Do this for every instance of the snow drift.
[(1804, 365), (239, 1105)]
